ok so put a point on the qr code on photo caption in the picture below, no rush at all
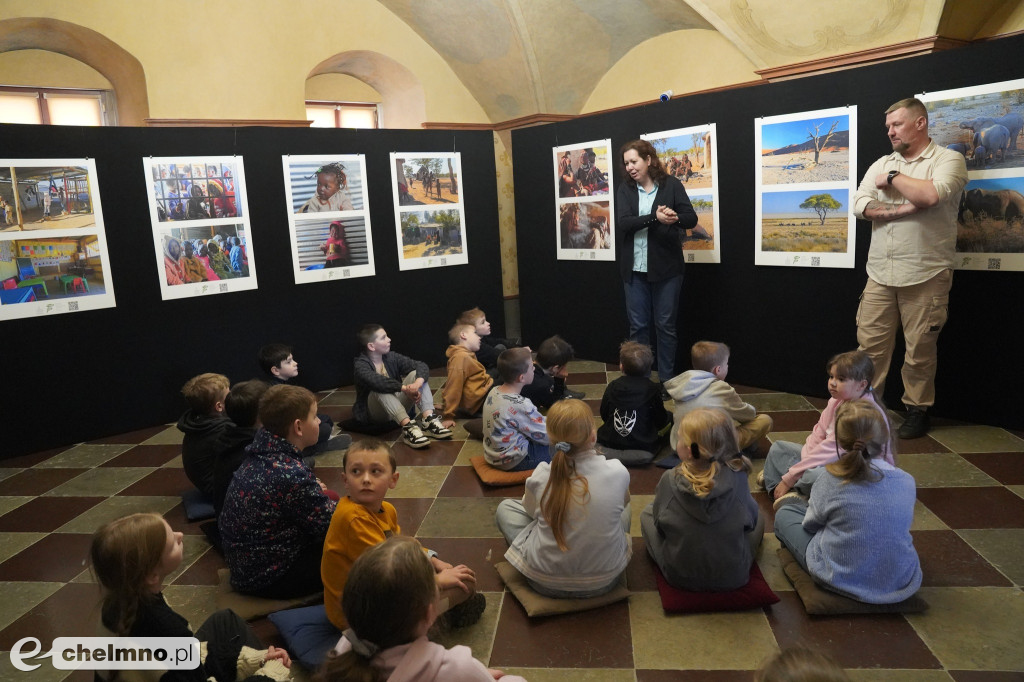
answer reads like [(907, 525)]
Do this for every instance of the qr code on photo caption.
[(223, 288), (815, 260), (994, 263), (72, 306)]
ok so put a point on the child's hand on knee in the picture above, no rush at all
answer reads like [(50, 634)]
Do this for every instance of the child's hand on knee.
[(460, 576), (279, 654)]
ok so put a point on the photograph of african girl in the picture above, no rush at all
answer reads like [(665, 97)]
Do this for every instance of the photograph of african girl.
[(804, 178), (584, 205), (985, 123), (328, 216), (53, 249), (200, 225), (429, 215), (691, 155)]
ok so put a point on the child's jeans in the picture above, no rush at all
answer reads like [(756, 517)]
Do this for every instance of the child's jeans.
[(781, 457), (394, 407), (789, 529), (535, 455)]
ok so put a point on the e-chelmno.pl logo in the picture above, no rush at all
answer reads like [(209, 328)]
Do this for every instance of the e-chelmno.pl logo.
[(109, 653)]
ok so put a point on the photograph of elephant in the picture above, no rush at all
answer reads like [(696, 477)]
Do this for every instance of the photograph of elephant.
[(991, 217), (808, 147), (985, 123)]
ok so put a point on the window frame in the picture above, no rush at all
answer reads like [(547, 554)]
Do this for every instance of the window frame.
[(339, 105), (108, 112)]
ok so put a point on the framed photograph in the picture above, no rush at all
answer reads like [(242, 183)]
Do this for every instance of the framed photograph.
[(53, 249), (805, 165), (691, 155), (328, 216), (584, 205), (985, 123), (200, 224), (429, 215)]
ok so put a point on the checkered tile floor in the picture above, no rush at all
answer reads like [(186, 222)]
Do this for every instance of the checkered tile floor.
[(968, 529)]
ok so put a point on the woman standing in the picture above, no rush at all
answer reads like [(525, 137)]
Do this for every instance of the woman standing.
[(653, 212)]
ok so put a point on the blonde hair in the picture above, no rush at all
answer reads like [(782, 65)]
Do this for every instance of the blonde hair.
[(570, 426), (458, 328), (712, 431), (123, 554), (706, 355), (472, 316), (203, 391), (915, 106), (863, 433)]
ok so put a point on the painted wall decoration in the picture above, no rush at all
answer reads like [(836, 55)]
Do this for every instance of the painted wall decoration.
[(200, 223), (329, 216), (804, 180), (691, 155), (53, 248), (585, 204), (985, 123), (429, 214)]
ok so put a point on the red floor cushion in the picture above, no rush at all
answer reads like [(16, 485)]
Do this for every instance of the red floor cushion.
[(753, 595)]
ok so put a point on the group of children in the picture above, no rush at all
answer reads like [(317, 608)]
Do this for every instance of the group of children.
[(843, 509), (188, 261)]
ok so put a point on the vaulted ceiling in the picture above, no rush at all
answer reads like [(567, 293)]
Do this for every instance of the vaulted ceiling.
[(522, 57)]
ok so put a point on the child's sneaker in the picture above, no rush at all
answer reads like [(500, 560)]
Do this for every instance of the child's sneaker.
[(433, 427), (759, 480), (789, 498), (413, 435), (467, 613)]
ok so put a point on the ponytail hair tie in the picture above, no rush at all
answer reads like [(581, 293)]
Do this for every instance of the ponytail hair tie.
[(362, 647), (562, 446)]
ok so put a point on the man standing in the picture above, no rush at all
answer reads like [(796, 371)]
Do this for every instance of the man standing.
[(911, 198)]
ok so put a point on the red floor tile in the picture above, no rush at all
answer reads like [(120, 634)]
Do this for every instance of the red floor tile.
[(58, 557), (179, 522), (45, 514), (462, 481), (145, 456), (864, 641), (1005, 467), (644, 480), (169, 481), (25, 461), (640, 570), (37, 481), (473, 552), (565, 641), (411, 511), (948, 561), (974, 507), (797, 420), (438, 453), (581, 378)]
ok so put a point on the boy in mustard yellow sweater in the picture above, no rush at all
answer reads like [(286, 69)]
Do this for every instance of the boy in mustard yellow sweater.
[(468, 381)]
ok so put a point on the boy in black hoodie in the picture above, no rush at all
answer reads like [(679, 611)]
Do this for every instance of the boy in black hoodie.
[(202, 425), (635, 419), (242, 407)]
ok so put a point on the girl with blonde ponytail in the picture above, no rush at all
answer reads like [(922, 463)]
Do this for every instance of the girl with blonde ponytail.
[(853, 535), (703, 528), (569, 534)]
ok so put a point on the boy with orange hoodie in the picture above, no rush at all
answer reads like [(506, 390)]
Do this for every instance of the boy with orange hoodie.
[(468, 381)]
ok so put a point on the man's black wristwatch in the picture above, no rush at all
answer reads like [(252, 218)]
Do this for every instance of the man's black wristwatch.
[(892, 174)]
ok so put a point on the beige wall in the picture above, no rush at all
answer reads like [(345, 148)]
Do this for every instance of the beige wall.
[(248, 59), (338, 87), (40, 68), (677, 61)]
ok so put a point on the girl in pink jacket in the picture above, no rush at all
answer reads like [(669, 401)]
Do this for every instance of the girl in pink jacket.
[(790, 470), (390, 602)]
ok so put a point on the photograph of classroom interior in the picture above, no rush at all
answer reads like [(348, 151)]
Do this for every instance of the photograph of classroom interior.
[(90, 399)]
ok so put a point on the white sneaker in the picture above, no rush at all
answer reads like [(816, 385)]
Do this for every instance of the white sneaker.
[(433, 427), (413, 435)]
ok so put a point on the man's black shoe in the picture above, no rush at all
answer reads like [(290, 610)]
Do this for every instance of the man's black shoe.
[(915, 425)]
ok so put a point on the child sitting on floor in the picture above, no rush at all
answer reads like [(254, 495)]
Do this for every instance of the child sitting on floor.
[(490, 346), (705, 386), (390, 605), (278, 362), (635, 420), (468, 382), (131, 557), (389, 384), (853, 536), (276, 513), (363, 519), (515, 436), (703, 527), (570, 534), (203, 423), (790, 470), (549, 374), (242, 407)]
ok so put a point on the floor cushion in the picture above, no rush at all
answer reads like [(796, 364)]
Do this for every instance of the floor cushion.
[(496, 477), (198, 507), (539, 605), (307, 633), (250, 607), (819, 601), (755, 594)]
